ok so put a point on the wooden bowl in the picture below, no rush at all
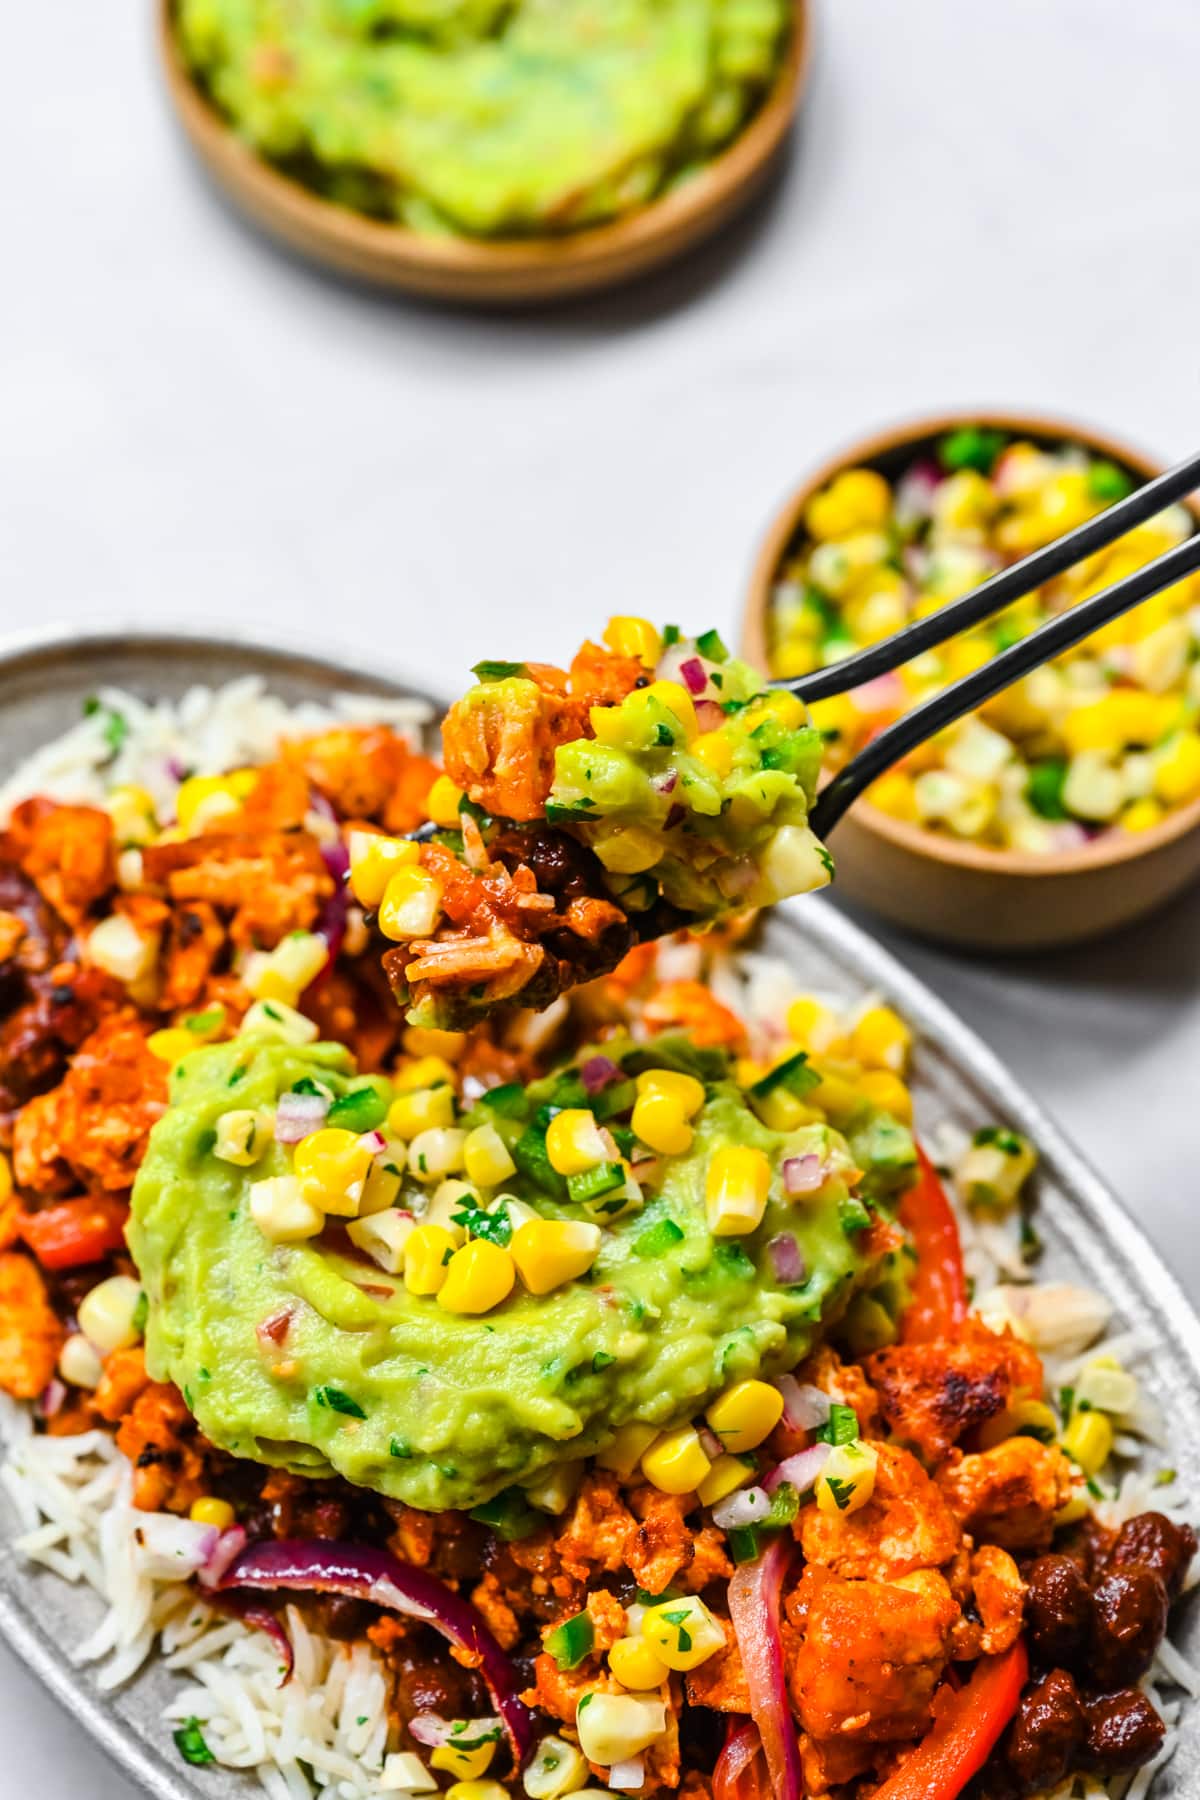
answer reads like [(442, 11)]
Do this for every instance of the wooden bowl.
[(513, 271), (946, 888)]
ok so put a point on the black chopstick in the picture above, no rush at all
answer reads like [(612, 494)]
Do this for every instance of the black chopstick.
[(1000, 590), (961, 697)]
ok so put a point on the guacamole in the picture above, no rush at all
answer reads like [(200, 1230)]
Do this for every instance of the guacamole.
[(486, 117), (309, 1356)]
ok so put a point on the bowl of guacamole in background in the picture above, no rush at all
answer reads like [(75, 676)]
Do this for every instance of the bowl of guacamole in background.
[(488, 149)]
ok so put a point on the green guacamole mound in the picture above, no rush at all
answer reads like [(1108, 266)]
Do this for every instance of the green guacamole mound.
[(486, 117), (439, 1410)]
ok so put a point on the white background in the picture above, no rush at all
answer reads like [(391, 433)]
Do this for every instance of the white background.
[(986, 205)]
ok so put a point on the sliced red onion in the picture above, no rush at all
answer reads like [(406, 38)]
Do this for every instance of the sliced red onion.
[(297, 1116), (746, 1507), (597, 1073), (742, 1746), (52, 1398), (801, 1470), (224, 1553), (803, 1174), (374, 1141), (173, 1549), (709, 716), (710, 1443), (804, 1407), (755, 1593), (430, 1728), (275, 1329), (627, 1777), (314, 1565), (694, 675), (787, 1259), (331, 921)]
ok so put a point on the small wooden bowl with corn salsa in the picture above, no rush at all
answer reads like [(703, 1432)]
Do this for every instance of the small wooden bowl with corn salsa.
[(1070, 804)]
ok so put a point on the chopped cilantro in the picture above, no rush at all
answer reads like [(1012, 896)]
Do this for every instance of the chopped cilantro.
[(336, 1401), (497, 671), (189, 1741)]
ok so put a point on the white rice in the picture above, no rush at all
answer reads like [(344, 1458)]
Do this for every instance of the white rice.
[(327, 1729)]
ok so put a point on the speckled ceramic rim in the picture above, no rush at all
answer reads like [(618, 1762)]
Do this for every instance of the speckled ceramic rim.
[(914, 436), (1111, 1250), (513, 271)]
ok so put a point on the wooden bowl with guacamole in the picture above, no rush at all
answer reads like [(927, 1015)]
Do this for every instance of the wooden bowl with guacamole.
[(488, 151)]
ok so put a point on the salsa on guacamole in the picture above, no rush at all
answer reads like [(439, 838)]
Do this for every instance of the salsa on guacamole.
[(335, 1343), (486, 117)]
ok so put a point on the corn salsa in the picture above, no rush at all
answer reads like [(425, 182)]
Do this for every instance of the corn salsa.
[(1104, 739)]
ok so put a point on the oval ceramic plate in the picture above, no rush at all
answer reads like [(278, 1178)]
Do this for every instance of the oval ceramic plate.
[(1088, 1236), (507, 271)]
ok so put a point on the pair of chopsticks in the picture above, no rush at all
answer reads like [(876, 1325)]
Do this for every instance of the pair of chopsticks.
[(992, 596)]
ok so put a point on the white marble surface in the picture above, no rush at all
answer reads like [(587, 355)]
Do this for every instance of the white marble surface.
[(985, 206)]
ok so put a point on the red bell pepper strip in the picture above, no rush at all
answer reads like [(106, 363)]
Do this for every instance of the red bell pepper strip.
[(939, 1285), (74, 1232), (967, 1726), (741, 1771)]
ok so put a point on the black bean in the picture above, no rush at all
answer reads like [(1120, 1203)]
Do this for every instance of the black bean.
[(1129, 1617), (1047, 1733), (1123, 1732), (1154, 1542), (1058, 1611)]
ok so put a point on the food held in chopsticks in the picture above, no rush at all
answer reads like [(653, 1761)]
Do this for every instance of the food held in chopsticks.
[(1104, 738), (487, 118), (657, 783)]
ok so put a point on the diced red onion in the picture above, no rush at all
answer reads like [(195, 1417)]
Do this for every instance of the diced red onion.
[(787, 1259), (709, 716), (737, 879), (430, 1728), (803, 1174), (173, 1549), (755, 1593), (627, 1777), (314, 1565), (800, 1470), (693, 675), (297, 1116), (710, 1443), (275, 1329), (746, 1507), (224, 1553), (52, 1398), (374, 1141), (804, 1407), (597, 1073), (883, 695), (666, 784)]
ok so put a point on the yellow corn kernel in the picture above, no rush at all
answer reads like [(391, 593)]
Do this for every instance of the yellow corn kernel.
[(1177, 769), (881, 1040), (424, 1040), (549, 1252), (893, 794), (888, 1093), (727, 1474), (1102, 1383), (374, 859), (427, 1254), (131, 810), (411, 905), (243, 1135), (121, 950), (625, 1450), (474, 1790), (814, 1026), (1088, 1441), (629, 636), (715, 751), (838, 1096), (635, 1665), (331, 1166), (478, 1277), (1141, 815), (676, 1463), (436, 1153), (659, 1120), (573, 1141), (486, 1158), (837, 719), (555, 1769), (276, 1019), (423, 1072), (615, 1727), (736, 1188), (682, 1633), (675, 697), (467, 1752), (79, 1362), (746, 1071), (441, 802), (261, 978), (781, 1111), (1028, 1418), (855, 500), (108, 1314), (794, 658), (847, 1478), (684, 1088), (173, 1042), (1121, 718), (282, 1213), (208, 1510), (745, 1414), (964, 655), (203, 798), (425, 1109)]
